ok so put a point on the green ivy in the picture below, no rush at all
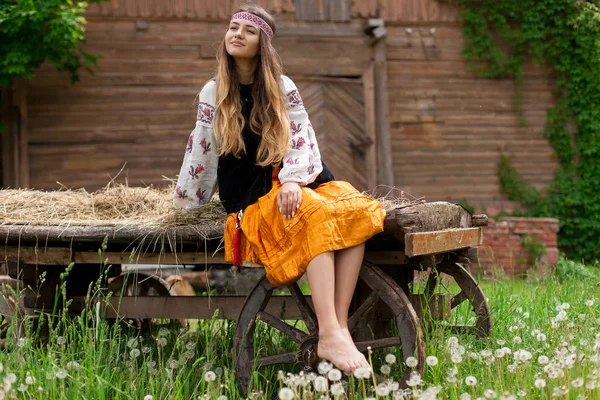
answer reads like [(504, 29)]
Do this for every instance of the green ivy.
[(37, 31), (500, 35)]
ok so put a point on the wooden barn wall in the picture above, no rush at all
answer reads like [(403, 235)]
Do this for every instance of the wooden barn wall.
[(138, 107), (449, 128), (306, 10)]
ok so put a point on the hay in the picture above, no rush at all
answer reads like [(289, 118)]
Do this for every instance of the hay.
[(120, 204)]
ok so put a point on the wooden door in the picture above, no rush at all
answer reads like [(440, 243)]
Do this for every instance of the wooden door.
[(340, 112)]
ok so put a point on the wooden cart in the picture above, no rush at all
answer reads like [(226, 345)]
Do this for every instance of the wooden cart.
[(409, 274)]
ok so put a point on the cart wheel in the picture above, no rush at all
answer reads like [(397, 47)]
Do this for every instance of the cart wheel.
[(452, 278), (382, 290), (140, 284)]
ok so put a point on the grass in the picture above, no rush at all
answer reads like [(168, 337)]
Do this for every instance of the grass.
[(545, 344)]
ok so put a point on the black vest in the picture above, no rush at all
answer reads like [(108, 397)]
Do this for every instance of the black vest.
[(242, 182)]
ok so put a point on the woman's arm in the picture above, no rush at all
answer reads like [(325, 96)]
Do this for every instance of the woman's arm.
[(198, 175), (302, 163)]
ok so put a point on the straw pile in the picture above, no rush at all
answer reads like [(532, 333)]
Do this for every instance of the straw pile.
[(120, 205)]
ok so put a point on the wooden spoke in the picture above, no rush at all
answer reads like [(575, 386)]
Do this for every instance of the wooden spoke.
[(363, 311), (286, 358), (310, 319), (469, 291), (294, 333), (458, 299), (378, 343)]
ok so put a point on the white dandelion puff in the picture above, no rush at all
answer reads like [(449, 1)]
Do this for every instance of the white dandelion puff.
[(134, 353), (411, 362), (61, 340), (286, 394), (432, 361), (385, 369), (163, 331), (324, 367), (162, 342), (539, 383), (362, 373), (543, 360), (10, 377), (577, 383), (210, 376), (465, 396), (148, 397), (334, 375), (470, 380), (382, 390), (321, 384), (61, 374), (390, 358), (489, 394), (337, 389)]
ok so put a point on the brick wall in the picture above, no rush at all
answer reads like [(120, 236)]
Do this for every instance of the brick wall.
[(505, 250)]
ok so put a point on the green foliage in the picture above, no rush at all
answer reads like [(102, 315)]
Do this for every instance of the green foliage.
[(34, 31), (570, 270), (564, 34)]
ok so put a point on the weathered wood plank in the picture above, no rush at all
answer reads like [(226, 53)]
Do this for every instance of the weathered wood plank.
[(186, 307), (441, 241)]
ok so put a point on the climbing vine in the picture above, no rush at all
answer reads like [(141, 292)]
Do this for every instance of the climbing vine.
[(500, 35)]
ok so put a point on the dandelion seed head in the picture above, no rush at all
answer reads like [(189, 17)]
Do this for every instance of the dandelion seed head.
[(10, 378), (390, 358), (589, 303), (134, 353), (362, 373), (148, 397), (489, 394), (577, 383), (539, 383), (162, 342), (465, 396), (432, 361), (385, 369), (163, 331), (210, 376), (411, 362), (456, 358), (470, 380), (61, 340), (382, 390), (321, 384), (286, 394), (517, 340), (22, 387), (337, 389), (324, 367), (61, 374), (334, 374)]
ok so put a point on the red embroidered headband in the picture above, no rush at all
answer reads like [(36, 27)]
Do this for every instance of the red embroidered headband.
[(256, 20)]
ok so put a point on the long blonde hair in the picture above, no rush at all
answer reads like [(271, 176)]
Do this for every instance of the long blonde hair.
[(268, 118)]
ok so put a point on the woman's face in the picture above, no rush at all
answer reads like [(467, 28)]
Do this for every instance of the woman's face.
[(242, 39)]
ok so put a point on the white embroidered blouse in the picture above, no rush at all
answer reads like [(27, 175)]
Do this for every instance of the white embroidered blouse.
[(198, 175)]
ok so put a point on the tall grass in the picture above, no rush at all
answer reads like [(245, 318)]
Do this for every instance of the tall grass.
[(545, 344)]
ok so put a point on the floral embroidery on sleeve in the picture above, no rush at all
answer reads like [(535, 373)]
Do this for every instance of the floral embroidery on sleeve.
[(297, 144), (205, 146), (200, 194), (190, 143), (294, 99), (206, 112), (181, 194), (195, 172), (295, 128)]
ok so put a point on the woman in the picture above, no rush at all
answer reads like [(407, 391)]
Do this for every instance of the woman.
[(253, 140)]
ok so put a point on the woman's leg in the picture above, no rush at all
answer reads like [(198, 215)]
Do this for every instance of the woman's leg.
[(333, 343), (347, 268)]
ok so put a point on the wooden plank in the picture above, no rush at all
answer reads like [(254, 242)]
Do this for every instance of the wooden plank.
[(442, 241), (368, 80), (7, 145), (37, 255), (189, 307), (385, 172)]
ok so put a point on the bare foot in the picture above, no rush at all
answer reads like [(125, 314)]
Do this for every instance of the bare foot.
[(340, 351)]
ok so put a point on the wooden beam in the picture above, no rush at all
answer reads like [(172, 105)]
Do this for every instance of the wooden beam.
[(23, 143), (385, 171), (7, 140), (188, 307), (442, 241), (368, 81)]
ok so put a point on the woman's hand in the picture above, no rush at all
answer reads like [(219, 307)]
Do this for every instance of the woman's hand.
[(289, 199)]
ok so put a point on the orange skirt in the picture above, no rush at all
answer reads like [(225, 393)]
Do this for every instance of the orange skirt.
[(332, 217)]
